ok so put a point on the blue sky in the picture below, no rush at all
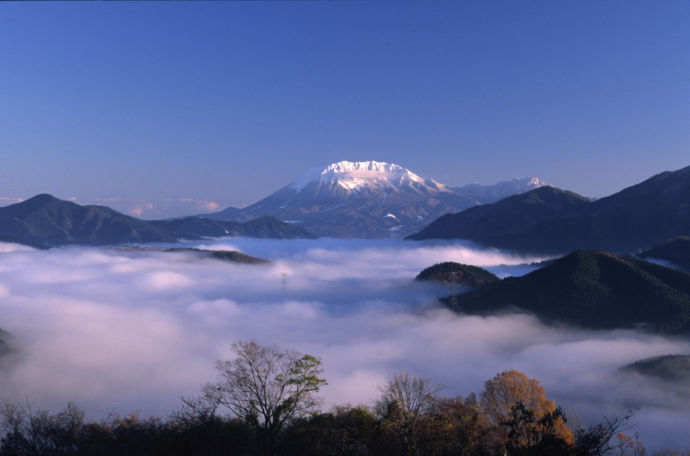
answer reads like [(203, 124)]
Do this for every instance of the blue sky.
[(227, 101)]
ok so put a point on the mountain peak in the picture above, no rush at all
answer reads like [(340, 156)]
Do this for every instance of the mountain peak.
[(353, 176), (343, 167), (365, 199), (41, 198), (36, 202), (356, 199), (534, 182)]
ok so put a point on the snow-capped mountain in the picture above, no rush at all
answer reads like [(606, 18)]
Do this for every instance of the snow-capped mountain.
[(486, 194), (357, 199), (367, 176), (368, 199)]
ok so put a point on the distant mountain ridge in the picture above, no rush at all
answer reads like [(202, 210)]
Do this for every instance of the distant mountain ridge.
[(675, 251), (518, 222), (46, 221), (367, 199), (486, 194), (671, 368), (260, 227), (551, 220)]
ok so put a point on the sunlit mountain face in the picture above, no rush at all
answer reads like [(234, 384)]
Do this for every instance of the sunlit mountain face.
[(368, 199)]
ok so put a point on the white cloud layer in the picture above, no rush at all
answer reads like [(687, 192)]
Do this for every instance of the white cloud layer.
[(126, 330)]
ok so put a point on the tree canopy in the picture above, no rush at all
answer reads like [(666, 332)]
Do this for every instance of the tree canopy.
[(268, 387)]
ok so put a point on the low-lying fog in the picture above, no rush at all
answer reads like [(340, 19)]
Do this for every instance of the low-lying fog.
[(133, 331)]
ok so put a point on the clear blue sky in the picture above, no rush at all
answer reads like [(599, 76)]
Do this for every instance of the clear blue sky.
[(228, 101)]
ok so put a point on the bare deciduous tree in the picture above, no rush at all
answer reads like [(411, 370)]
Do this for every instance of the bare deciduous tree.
[(403, 401), (29, 431), (598, 439)]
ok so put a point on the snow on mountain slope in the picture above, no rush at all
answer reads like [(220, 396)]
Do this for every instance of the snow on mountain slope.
[(486, 194), (370, 175), (366, 199)]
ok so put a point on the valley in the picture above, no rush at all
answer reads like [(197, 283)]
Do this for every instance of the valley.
[(344, 228), (157, 321), (321, 266)]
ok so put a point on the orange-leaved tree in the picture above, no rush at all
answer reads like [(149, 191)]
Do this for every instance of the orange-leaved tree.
[(511, 389)]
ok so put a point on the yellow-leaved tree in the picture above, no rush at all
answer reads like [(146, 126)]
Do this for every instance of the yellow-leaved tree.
[(518, 406)]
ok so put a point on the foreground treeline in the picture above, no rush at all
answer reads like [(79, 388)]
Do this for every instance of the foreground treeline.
[(265, 403)]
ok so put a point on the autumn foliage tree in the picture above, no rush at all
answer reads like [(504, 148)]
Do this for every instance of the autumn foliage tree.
[(458, 427), (512, 399), (264, 403)]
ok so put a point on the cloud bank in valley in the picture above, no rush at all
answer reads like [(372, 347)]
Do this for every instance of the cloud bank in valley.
[(131, 330)]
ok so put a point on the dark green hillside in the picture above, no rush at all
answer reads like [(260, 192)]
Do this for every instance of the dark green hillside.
[(672, 368), (262, 227), (645, 214), (552, 220), (223, 255), (457, 273), (514, 222), (231, 256), (45, 221), (271, 227), (591, 290), (676, 251), (193, 227)]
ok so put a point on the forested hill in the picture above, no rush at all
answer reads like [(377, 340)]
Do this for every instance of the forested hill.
[(520, 222), (671, 368), (231, 256), (550, 220), (46, 221), (592, 290), (453, 273), (675, 251), (260, 227)]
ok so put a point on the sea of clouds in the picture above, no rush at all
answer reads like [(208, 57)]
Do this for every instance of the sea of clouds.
[(126, 330)]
